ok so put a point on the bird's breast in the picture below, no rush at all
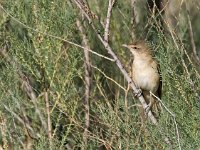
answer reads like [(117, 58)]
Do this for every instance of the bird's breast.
[(146, 75)]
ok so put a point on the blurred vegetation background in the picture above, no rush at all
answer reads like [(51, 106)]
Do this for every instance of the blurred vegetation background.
[(43, 85)]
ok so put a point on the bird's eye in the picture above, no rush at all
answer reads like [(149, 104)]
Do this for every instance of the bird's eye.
[(135, 47)]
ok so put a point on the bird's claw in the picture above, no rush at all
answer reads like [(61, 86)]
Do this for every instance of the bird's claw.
[(139, 93), (147, 109)]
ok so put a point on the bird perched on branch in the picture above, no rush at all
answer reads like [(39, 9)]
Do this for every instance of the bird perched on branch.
[(145, 73)]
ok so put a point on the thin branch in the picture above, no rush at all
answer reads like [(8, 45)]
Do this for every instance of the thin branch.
[(53, 36), (86, 10), (109, 12), (87, 64), (174, 118), (3, 129), (49, 129), (84, 7), (135, 18), (192, 40)]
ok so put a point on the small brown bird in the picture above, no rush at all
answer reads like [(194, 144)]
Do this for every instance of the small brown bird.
[(145, 73)]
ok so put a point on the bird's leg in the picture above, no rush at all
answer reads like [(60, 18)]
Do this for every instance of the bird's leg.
[(138, 93), (151, 102), (148, 107)]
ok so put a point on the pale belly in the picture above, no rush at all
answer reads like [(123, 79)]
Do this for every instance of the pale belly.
[(147, 78)]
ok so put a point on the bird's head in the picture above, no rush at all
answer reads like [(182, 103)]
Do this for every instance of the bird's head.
[(132, 47), (137, 48)]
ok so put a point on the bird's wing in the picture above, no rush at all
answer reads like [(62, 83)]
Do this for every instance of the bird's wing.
[(160, 84)]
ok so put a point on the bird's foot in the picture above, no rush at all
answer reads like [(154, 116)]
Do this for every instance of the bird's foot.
[(138, 93), (147, 109)]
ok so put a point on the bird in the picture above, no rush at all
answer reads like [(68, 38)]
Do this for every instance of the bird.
[(145, 72)]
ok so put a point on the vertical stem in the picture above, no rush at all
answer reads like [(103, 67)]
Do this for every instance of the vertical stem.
[(107, 27), (46, 96), (3, 129), (192, 40), (87, 65), (87, 95), (134, 19)]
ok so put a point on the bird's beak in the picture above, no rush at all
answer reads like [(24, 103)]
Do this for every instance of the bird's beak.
[(124, 45)]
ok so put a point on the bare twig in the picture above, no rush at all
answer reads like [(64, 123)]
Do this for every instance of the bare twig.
[(192, 40), (3, 129), (87, 64), (83, 5), (135, 18), (49, 130), (174, 118), (109, 12)]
